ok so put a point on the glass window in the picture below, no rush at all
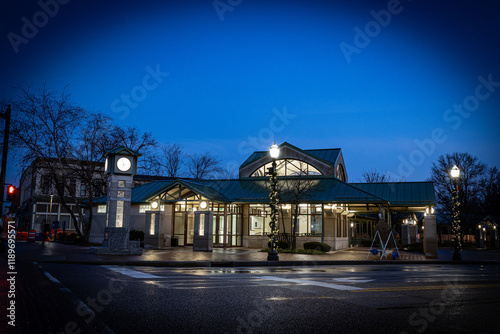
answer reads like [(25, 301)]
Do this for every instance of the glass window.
[(119, 213), (121, 184), (309, 220), (98, 188), (340, 174), (121, 193), (152, 224), (45, 184), (202, 224), (101, 209), (288, 167), (72, 187), (259, 219), (83, 190)]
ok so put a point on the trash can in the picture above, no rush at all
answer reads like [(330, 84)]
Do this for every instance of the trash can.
[(174, 242)]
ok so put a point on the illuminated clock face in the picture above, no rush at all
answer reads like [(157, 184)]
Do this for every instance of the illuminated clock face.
[(106, 165), (123, 164)]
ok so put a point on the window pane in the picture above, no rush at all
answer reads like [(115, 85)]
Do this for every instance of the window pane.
[(119, 213), (152, 224)]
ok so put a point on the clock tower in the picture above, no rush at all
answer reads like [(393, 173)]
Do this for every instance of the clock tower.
[(120, 166)]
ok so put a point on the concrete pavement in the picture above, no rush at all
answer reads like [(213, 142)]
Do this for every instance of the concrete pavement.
[(234, 257), (42, 308)]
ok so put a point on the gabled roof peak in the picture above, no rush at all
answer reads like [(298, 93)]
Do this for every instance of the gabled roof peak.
[(328, 156), (122, 150)]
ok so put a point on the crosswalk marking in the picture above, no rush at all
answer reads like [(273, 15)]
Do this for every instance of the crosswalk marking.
[(315, 283), (130, 272)]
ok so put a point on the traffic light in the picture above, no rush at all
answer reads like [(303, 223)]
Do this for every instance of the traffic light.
[(11, 193)]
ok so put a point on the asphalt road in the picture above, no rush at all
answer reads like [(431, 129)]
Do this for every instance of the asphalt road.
[(340, 299)]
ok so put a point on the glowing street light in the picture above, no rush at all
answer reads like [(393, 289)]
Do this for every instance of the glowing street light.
[(455, 211)]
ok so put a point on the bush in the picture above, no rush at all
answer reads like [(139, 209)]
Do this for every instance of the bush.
[(319, 246), (283, 244)]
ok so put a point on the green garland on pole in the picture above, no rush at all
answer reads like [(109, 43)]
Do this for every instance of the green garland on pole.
[(455, 209), (274, 211)]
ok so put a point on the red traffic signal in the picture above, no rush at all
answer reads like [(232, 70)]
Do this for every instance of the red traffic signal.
[(11, 193)]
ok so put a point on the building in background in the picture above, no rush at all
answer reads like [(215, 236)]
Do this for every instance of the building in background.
[(37, 188), (240, 207)]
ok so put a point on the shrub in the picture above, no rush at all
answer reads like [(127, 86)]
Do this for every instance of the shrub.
[(319, 246), (283, 244)]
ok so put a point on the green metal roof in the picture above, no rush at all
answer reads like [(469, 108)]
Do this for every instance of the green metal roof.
[(402, 193), (256, 190), (328, 156), (325, 189)]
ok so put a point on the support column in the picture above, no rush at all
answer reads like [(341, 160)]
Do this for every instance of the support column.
[(153, 231), (430, 237), (203, 231)]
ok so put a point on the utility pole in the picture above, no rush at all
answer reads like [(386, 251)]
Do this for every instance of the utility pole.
[(6, 116)]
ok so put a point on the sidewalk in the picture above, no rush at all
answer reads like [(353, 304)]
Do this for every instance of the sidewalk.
[(233, 257)]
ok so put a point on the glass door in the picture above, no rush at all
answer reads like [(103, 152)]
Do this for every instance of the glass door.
[(218, 230), (179, 227)]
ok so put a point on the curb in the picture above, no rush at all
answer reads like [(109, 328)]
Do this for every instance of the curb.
[(205, 264)]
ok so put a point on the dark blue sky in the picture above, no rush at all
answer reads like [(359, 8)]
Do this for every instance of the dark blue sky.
[(296, 71)]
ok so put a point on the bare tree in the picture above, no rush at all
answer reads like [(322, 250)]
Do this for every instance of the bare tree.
[(49, 128), (133, 138), (68, 143), (171, 159), (203, 166), (471, 172), (226, 173), (490, 193), (373, 176)]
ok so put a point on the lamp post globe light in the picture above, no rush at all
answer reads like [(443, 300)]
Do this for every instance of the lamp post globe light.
[(274, 152), (455, 211)]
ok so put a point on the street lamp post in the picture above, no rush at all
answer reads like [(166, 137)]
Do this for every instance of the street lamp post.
[(50, 215), (455, 209), (274, 152)]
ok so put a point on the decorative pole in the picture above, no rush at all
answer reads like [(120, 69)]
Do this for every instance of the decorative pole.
[(274, 151), (455, 209)]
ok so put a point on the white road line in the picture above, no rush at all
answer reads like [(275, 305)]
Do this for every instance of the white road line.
[(352, 280), (322, 284), (78, 303), (130, 272)]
